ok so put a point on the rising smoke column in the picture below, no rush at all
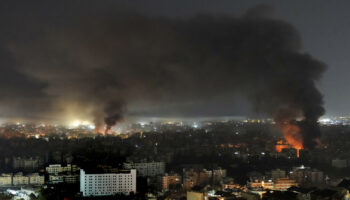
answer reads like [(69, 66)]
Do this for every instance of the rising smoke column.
[(114, 113), (108, 61)]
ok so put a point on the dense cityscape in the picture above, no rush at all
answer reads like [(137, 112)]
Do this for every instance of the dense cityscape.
[(174, 100), (231, 159)]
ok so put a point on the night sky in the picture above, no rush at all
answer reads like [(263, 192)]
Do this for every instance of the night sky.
[(324, 27), (105, 60)]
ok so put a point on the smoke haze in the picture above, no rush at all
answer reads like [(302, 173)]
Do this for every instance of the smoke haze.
[(96, 64)]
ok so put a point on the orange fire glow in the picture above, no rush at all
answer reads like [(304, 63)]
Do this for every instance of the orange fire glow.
[(103, 131), (99, 131), (281, 145), (291, 133)]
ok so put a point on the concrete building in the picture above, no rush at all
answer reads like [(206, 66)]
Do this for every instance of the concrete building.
[(58, 168), (337, 163), (193, 195), (250, 196), (283, 184), (260, 183), (190, 178), (170, 179), (104, 184), (71, 178), (277, 173), (36, 179), (219, 175), (27, 163), (147, 168), (5, 179), (19, 179), (215, 175), (193, 177), (63, 174), (55, 179), (307, 175), (316, 177), (63, 178), (229, 183)]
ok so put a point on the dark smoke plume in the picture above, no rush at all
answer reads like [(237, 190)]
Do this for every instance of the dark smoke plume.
[(114, 113), (87, 60)]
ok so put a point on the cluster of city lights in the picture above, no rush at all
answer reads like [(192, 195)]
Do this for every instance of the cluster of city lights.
[(79, 123)]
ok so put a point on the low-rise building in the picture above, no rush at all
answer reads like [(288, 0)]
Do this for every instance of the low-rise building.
[(229, 183), (338, 163), (5, 179), (58, 168), (36, 179), (307, 175), (63, 178), (147, 168), (27, 163), (283, 184), (218, 175), (19, 179), (193, 195), (277, 173), (316, 176), (63, 174), (55, 179), (71, 178), (192, 177), (261, 183), (170, 179)]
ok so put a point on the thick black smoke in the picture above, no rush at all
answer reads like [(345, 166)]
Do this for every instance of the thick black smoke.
[(101, 64), (114, 113)]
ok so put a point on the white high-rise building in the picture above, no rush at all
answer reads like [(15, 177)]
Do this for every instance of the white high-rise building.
[(104, 184)]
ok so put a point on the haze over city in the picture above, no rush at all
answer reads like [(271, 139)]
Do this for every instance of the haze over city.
[(185, 99)]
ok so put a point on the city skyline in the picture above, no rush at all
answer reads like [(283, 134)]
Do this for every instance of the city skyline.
[(174, 100)]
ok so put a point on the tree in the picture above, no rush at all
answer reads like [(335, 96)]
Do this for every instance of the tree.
[(5, 197)]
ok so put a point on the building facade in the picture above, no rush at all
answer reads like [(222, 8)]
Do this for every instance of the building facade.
[(57, 168), (27, 163), (170, 179), (36, 179), (63, 174), (277, 173), (5, 179), (283, 184), (338, 163), (147, 168), (105, 184), (19, 179)]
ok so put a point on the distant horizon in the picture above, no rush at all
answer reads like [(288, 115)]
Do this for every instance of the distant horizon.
[(135, 120)]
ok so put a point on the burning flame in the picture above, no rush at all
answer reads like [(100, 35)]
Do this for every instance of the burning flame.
[(103, 131), (291, 133), (281, 145), (99, 131)]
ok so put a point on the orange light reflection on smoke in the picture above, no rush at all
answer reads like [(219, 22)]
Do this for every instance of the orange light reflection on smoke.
[(291, 134)]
